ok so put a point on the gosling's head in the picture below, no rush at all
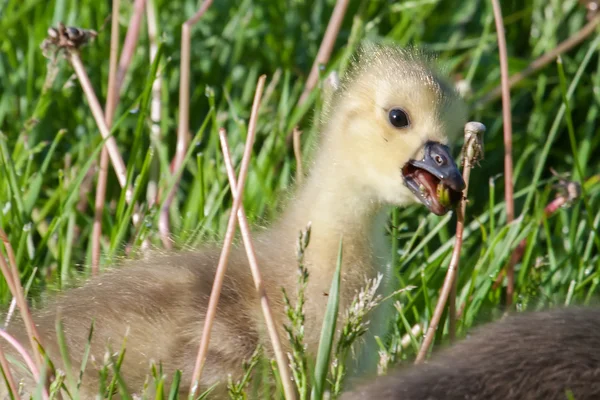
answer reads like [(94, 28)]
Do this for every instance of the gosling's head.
[(390, 124)]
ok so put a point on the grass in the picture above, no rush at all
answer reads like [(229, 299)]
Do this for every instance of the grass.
[(49, 143)]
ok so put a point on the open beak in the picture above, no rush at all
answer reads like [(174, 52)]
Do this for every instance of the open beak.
[(435, 180)]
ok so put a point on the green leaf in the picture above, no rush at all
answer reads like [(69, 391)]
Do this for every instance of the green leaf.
[(327, 331)]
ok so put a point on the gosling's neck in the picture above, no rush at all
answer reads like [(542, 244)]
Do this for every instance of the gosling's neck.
[(339, 206)]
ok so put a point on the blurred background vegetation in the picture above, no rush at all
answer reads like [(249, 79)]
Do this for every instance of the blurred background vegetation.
[(49, 140)]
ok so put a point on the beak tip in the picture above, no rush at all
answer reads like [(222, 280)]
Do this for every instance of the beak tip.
[(457, 184)]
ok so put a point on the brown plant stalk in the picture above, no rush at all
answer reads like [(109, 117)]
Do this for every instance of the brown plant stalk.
[(11, 274), (507, 120), (98, 210), (472, 153), (156, 103), (256, 275), (109, 109), (324, 53), (21, 350), (90, 94), (544, 59), (229, 234), (28, 361), (117, 70), (130, 43), (9, 379), (129, 46), (184, 118), (333, 28)]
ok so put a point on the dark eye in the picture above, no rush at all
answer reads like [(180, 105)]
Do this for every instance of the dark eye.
[(399, 118)]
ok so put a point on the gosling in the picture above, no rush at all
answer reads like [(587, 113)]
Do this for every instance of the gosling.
[(383, 143), (550, 355)]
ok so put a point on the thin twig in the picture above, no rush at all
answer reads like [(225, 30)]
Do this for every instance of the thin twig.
[(231, 225), (156, 103), (298, 154), (129, 46), (473, 151), (184, 118), (333, 28), (452, 314), (112, 99), (507, 120), (111, 144), (545, 59), (10, 380), (11, 274), (21, 350), (258, 282), (130, 43), (28, 361), (99, 209), (114, 88)]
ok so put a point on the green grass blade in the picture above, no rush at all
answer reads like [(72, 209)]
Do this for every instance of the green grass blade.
[(327, 331)]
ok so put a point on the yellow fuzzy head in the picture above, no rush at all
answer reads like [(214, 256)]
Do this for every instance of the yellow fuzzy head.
[(391, 103)]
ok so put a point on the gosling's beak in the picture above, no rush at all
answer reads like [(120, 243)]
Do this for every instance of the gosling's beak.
[(439, 163), (434, 180)]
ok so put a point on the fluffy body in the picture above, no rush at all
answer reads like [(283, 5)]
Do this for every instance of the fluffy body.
[(526, 356), (356, 172)]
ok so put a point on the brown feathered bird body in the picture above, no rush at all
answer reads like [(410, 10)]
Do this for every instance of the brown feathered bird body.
[(528, 356)]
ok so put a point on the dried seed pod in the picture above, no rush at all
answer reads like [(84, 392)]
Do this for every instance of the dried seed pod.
[(52, 33)]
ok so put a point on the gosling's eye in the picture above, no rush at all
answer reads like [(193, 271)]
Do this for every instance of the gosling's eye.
[(399, 118)]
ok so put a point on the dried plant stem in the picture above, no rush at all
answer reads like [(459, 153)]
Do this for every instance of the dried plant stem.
[(333, 28), (11, 274), (129, 46), (545, 59), (231, 226), (156, 103), (21, 350), (109, 110), (28, 361), (99, 209), (10, 380), (112, 96), (473, 149), (130, 43), (507, 120), (298, 154), (111, 144), (452, 315), (184, 117), (258, 282)]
